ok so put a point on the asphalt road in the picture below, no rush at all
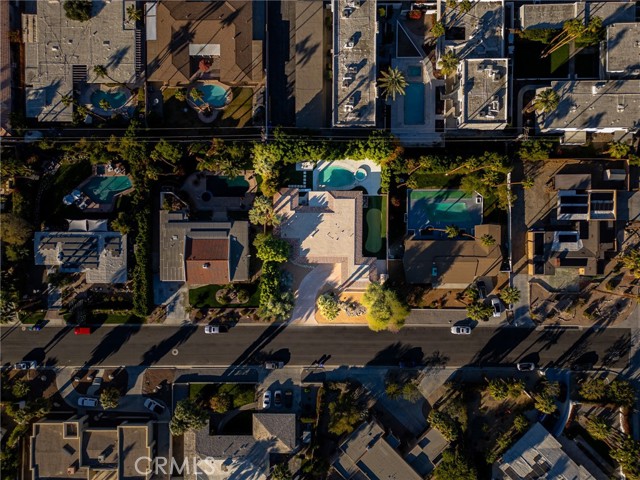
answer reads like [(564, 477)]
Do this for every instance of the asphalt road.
[(302, 345)]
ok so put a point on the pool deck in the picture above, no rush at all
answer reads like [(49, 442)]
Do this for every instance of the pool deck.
[(93, 207), (371, 183), (196, 184)]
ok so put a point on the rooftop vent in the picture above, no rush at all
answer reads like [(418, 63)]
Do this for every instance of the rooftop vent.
[(620, 108), (206, 265)]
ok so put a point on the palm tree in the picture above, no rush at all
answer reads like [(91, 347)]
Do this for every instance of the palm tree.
[(526, 183), (618, 150), (510, 295), (545, 101), (487, 240), (631, 261), (101, 71), (466, 6), (104, 104), (67, 100), (449, 63), (134, 14), (392, 83), (196, 95), (574, 29), (437, 30), (180, 95), (452, 4)]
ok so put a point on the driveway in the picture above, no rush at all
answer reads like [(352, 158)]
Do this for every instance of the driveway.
[(310, 286)]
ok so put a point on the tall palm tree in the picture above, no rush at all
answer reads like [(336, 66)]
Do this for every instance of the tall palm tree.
[(452, 231), (196, 95), (101, 71), (67, 100), (104, 104), (465, 6), (546, 101), (510, 295), (392, 83), (449, 63), (134, 14), (180, 95), (438, 30), (487, 240)]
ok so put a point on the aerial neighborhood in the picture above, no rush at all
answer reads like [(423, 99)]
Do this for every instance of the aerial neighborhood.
[(319, 239)]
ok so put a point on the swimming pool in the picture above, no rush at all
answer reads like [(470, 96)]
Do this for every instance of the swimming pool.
[(116, 98), (104, 189), (336, 177), (414, 71), (414, 104), (220, 186), (439, 208), (213, 94)]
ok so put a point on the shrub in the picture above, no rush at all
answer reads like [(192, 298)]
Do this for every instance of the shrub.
[(445, 424), (593, 390), (220, 403), (621, 393), (328, 306), (20, 389), (79, 10)]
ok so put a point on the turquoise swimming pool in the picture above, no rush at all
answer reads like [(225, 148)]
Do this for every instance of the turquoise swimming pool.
[(213, 94), (414, 71), (116, 98), (414, 104), (104, 189), (336, 177)]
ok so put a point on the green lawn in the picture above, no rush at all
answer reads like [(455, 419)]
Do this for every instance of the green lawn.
[(34, 317), (115, 318), (559, 57), (238, 113), (436, 180), (205, 297), (375, 229), (241, 393)]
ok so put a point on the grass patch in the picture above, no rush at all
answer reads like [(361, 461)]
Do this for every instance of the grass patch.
[(241, 393), (375, 229), (436, 180), (34, 317), (238, 113), (559, 58), (115, 318), (205, 297)]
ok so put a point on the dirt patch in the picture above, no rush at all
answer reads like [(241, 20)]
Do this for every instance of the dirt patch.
[(120, 380), (343, 318), (157, 383)]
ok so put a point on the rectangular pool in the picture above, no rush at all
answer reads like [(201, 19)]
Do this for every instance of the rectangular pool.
[(414, 104)]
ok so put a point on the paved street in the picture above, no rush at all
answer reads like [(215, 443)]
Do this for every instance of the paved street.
[(300, 345)]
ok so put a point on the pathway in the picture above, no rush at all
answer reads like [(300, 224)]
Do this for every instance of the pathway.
[(318, 278)]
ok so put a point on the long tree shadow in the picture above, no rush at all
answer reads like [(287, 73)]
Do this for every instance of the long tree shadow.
[(500, 345), (396, 353), (256, 352), (166, 346), (111, 343)]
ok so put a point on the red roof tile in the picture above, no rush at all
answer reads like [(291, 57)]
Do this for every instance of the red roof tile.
[(207, 261)]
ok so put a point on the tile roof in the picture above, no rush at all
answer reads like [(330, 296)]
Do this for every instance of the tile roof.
[(213, 272)]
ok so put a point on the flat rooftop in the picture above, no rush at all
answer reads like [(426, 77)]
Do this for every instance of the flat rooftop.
[(589, 105), (60, 52), (483, 93), (325, 227), (623, 48), (553, 15), (478, 33), (354, 69), (52, 454)]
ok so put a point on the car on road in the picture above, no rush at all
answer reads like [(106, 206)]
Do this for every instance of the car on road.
[(266, 400), (28, 365), (82, 331), (288, 398), (36, 327), (87, 402), (277, 398), (526, 366), (212, 329), (273, 365), (153, 406), (461, 330), (497, 306), (482, 289)]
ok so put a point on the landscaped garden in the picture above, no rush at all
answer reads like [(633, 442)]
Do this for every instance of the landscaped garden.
[(221, 296), (222, 397)]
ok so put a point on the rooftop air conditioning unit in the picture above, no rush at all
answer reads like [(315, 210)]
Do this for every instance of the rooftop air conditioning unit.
[(101, 458), (620, 108)]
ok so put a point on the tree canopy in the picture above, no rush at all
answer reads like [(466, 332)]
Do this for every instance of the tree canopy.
[(188, 415), (271, 249), (14, 230), (79, 10), (262, 212)]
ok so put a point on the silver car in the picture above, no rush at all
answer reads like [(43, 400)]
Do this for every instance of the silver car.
[(526, 366), (461, 330), (266, 400), (30, 365)]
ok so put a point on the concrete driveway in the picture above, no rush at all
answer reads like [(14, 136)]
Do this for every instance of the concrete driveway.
[(318, 278)]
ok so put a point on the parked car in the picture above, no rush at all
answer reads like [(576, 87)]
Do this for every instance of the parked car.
[(497, 306), (82, 331), (526, 366), (273, 365), (36, 327), (153, 406), (277, 398), (212, 329), (87, 402), (461, 330), (28, 365), (266, 400), (97, 382), (482, 289), (288, 398)]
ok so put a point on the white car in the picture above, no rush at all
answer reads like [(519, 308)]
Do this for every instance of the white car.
[(211, 329), (153, 406), (30, 365), (266, 400), (461, 330), (526, 366), (497, 306), (87, 402)]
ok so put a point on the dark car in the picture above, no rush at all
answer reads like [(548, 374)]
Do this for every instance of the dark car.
[(482, 289), (288, 398), (277, 398), (36, 327)]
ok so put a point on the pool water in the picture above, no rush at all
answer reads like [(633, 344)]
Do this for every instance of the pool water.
[(336, 177), (414, 104), (116, 98), (213, 94), (220, 186), (104, 189), (414, 71)]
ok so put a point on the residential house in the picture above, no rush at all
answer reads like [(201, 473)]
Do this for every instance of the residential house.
[(581, 232), (60, 54), (354, 63), (224, 37), (87, 247), (202, 252), (623, 50), (326, 228), (243, 456), (71, 449), (370, 453), (539, 455)]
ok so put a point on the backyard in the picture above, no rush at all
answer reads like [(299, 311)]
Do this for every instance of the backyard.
[(237, 114)]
